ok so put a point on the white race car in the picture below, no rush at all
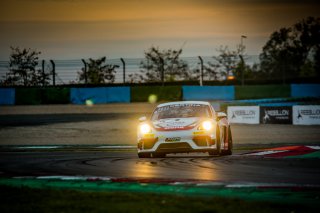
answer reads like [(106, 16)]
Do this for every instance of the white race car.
[(183, 127)]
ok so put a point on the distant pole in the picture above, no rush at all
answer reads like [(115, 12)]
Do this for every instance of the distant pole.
[(242, 48), (241, 41), (124, 70), (85, 71), (162, 70), (242, 70), (283, 75), (201, 71), (43, 74), (53, 72)]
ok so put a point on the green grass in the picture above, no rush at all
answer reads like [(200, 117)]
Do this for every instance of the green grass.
[(165, 93), (24, 199)]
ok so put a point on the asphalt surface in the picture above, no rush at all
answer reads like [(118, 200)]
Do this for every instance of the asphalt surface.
[(119, 128), (126, 164)]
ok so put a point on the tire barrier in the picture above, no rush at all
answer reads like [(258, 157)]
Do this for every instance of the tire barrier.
[(167, 93), (262, 91), (28, 96), (208, 93), (100, 95), (297, 115), (269, 95), (36, 96), (7, 96), (305, 90)]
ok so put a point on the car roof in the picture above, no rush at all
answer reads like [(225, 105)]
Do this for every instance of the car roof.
[(184, 102)]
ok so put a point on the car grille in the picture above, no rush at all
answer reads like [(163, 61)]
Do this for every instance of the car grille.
[(166, 146)]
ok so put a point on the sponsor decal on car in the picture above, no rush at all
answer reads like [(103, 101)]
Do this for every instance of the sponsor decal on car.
[(199, 133), (173, 139), (149, 135)]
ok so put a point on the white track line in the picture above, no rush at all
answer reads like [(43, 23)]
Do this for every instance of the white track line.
[(37, 147), (62, 177), (314, 147), (116, 147), (267, 152)]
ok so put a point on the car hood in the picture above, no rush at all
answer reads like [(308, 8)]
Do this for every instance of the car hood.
[(170, 124)]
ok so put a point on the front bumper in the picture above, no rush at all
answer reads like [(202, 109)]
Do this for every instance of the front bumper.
[(177, 142)]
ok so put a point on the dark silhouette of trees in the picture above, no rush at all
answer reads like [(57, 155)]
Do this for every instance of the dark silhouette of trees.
[(98, 72), (226, 63), (163, 65), (23, 68), (293, 52)]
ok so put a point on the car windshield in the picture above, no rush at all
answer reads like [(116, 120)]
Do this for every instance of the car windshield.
[(181, 111)]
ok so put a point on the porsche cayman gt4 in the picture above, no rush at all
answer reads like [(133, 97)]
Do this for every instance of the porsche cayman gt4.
[(184, 127)]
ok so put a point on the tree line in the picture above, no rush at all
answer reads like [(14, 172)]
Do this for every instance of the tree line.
[(291, 52)]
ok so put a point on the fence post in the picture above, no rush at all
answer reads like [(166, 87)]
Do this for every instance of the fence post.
[(85, 71), (43, 74), (242, 67), (53, 72), (124, 70), (162, 70), (201, 71)]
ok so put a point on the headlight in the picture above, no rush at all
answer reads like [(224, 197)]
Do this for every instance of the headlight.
[(207, 125), (145, 128)]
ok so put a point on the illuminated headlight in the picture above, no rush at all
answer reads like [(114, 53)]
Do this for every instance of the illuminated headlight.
[(207, 125), (145, 128)]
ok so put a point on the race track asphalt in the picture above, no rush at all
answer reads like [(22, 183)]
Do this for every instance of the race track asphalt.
[(237, 168), (78, 129)]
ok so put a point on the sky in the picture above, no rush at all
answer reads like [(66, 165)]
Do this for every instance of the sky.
[(74, 29)]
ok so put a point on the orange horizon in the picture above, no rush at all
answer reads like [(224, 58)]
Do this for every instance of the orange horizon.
[(130, 26)]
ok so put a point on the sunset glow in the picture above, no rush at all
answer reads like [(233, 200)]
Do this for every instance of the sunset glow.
[(91, 28)]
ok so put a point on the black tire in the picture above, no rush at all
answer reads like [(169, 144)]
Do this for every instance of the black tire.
[(158, 155), (144, 155), (218, 142), (230, 144)]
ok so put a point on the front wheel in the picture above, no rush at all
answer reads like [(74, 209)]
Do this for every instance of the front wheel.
[(158, 155), (218, 143), (230, 144), (144, 155)]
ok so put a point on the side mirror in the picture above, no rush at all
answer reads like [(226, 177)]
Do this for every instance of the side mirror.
[(221, 115), (142, 119)]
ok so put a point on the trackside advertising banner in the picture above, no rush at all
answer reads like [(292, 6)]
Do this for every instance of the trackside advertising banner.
[(306, 115), (244, 114), (276, 115)]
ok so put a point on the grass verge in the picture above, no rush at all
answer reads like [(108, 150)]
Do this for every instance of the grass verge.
[(25, 199)]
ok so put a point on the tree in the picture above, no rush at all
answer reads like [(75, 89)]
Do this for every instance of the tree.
[(98, 71), (225, 63), (293, 51), (163, 65), (23, 68)]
